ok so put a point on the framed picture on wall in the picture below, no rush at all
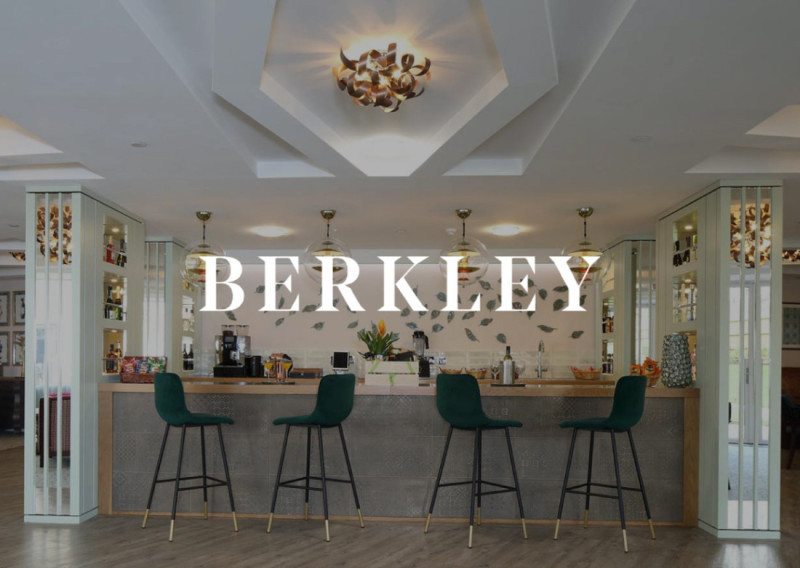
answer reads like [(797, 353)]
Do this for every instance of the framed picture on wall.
[(18, 348), (4, 354), (19, 308), (5, 306), (790, 338)]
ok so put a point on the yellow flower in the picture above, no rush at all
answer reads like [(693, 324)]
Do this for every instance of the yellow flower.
[(382, 327)]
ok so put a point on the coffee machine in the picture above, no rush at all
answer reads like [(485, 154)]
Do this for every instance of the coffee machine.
[(232, 348), (420, 341)]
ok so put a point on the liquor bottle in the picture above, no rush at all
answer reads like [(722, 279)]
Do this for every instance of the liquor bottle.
[(191, 358), (508, 367), (111, 360), (122, 257), (108, 304), (185, 359), (118, 350), (110, 250)]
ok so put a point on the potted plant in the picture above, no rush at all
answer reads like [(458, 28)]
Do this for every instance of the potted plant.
[(379, 343)]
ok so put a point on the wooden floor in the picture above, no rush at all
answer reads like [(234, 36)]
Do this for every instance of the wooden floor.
[(120, 542)]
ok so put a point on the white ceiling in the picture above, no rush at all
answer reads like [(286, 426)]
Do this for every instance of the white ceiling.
[(534, 108)]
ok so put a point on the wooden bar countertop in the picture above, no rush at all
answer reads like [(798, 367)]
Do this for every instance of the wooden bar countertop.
[(533, 387)]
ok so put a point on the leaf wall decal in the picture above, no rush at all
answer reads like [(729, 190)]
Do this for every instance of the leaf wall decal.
[(441, 296), (558, 304), (437, 327), (576, 334), (560, 289), (486, 321), (520, 293), (473, 298), (405, 312), (470, 335), (231, 315), (542, 293), (501, 337), (450, 317), (319, 325), (485, 285), (260, 289), (546, 328), (411, 325), (583, 299), (281, 302), (310, 308), (352, 324), (531, 284), (279, 321), (468, 315), (529, 314), (435, 314), (491, 304)]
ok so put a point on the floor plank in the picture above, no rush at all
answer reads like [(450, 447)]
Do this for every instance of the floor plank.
[(120, 542)]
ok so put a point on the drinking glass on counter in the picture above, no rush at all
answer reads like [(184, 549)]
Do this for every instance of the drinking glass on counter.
[(268, 365), (495, 368), (520, 365)]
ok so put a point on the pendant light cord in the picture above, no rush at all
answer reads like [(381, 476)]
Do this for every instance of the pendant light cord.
[(328, 231), (204, 232), (463, 229), (584, 228)]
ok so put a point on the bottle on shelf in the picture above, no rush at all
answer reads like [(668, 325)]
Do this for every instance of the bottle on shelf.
[(122, 257), (191, 358), (111, 360), (108, 305), (508, 367), (185, 359), (110, 250), (118, 350)]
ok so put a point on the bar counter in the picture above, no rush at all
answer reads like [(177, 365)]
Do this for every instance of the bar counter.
[(395, 437)]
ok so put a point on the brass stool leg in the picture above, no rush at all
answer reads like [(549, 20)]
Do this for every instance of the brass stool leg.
[(438, 478), (619, 492), (227, 477), (278, 479), (177, 485), (566, 479), (155, 476)]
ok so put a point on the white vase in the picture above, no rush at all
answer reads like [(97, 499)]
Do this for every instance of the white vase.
[(676, 368)]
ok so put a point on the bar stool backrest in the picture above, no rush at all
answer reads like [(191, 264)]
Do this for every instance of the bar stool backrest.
[(170, 401), (628, 402), (334, 399), (458, 399)]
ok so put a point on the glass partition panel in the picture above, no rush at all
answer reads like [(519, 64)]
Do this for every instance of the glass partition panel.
[(749, 360)]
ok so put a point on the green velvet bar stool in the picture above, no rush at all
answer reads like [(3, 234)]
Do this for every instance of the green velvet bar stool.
[(626, 412), (171, 407), (334, 402), (458, 399)]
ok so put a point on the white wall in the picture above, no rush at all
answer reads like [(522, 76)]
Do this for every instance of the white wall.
[(11, 285), (297, 335)]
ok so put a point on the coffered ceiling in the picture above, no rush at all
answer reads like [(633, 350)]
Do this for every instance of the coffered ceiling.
[(534, 108)]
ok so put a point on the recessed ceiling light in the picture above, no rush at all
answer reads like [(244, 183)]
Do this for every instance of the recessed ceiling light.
[(115, 229), (139, 144), (114, 280), (505, 230), (642, 138), (270, 231), (689, 227)]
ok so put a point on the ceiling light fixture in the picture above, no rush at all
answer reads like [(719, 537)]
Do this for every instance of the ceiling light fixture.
[(585, 249), (328, 246), (474, 256), (505, 230), (270, 231), (194, 267), (375, 79)]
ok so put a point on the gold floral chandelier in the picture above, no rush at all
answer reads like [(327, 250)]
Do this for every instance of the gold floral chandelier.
[(375, 79)]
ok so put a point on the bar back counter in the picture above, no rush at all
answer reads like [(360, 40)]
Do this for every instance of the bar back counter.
[(395, 437)]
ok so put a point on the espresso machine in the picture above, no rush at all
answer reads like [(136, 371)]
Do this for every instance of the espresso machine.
[(232, 348), (420, 341)]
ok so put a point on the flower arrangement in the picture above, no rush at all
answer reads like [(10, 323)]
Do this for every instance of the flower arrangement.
[(379, 343), (649, 369)]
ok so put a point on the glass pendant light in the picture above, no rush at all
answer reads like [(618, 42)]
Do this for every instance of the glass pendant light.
[(328, 246), (474, 256), (194, 267), (584, 248)]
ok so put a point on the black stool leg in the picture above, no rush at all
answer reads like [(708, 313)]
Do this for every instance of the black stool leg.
[(474, 484), (177, 485), (641, 485), (438, 478), (308, 469), (324, 485), (352, 479), (516, 484), (227, 477), (205, 478), (155, 476), (566, 478), (278, 479), (480, 471), (619, 492), (589, 480)]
